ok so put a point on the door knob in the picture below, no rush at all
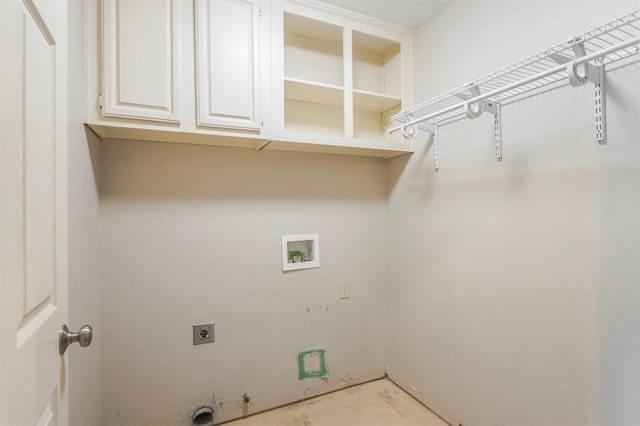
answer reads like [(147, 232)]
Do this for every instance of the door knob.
[(65, 337)]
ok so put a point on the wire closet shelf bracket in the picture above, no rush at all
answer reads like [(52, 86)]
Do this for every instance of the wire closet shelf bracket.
[(581, 60)]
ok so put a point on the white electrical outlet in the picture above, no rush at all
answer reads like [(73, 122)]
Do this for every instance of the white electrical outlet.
[(344, 290)]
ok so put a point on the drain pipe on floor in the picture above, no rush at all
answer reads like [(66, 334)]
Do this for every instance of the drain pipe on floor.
[(203, 416)]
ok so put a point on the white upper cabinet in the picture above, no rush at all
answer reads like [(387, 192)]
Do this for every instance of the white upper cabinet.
[(227, 58), (344, 76), (141, 59), (297, 75)]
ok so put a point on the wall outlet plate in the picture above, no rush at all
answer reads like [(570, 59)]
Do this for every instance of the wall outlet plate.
[(344, 290), (204, 333)]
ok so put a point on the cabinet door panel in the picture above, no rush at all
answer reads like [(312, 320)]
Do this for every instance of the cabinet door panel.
[(140, 41), (227, 63)]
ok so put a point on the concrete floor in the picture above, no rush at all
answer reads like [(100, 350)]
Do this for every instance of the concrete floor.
[(379, 403)]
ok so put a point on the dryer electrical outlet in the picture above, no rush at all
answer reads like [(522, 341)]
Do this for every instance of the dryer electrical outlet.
[(204, 333)]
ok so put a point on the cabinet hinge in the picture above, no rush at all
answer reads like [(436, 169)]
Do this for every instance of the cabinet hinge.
[(259, 13), (100, 101)]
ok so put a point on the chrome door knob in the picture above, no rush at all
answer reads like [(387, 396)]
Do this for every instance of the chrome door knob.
[(65, 337)]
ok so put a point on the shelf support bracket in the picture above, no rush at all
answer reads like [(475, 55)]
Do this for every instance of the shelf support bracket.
[(409, 132), (493, 107), (600, 105), (432, 129), (581, 74), (559, 58), (474, 109)]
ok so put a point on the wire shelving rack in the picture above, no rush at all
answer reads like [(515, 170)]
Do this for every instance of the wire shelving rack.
[(580, 59)]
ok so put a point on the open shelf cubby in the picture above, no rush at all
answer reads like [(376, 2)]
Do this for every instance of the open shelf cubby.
[(313, 76), (377, 72)]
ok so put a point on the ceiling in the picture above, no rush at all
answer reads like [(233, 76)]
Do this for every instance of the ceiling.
[(409, 13)]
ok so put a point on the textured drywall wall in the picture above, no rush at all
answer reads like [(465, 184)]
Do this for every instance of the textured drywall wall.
[(513, 286), (84, 237), (192, 234)]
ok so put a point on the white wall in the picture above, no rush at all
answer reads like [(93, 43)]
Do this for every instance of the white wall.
[(84, 237), (513, 286), (192, 234)]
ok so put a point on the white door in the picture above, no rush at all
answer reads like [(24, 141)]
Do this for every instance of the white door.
[(33, 211)]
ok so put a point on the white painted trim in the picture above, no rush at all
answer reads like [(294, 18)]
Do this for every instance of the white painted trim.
[(354, 16)]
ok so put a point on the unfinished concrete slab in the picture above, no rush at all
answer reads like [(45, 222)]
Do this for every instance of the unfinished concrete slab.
[(378, 403)]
